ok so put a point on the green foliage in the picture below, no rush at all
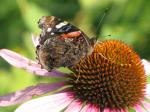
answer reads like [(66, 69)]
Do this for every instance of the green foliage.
[(127, 20)]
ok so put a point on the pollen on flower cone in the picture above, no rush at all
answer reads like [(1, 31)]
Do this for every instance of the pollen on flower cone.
[(111, 77)]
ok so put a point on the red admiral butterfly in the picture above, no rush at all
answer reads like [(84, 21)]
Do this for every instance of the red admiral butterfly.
[(61, 44)]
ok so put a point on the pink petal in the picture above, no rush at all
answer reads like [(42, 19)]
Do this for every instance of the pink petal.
[(146, 105), (74, 107), (27, 64), (28, 93), (43, 72), (94, 109), (146, 66), (107, 110), (87, 108), (90, 108), (51, 103), (114, 110), (120, 110), (35, 40), (124, 110), (139, 108)]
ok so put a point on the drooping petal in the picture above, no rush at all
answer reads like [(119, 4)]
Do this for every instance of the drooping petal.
[(35, 40), (146, 66), (51, 103), (16, 59), (74, 107), (19, 61), (28, 93)]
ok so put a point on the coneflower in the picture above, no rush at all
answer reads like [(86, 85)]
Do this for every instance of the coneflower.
[(111, 79)]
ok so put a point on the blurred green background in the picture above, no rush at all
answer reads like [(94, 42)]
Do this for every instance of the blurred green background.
[(127, 20)]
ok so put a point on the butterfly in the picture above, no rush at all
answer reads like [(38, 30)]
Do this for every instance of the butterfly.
[(61, 44)]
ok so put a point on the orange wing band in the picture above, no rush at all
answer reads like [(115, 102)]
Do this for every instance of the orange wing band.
[(71, 34)]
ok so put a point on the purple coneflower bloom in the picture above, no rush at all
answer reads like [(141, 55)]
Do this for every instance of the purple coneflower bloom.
[(106, 81)]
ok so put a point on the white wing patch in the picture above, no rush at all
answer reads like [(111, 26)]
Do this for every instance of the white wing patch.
[(61, 25), (49, 29)]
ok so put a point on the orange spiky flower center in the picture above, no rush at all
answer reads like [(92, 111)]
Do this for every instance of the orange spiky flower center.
[(111, 77)]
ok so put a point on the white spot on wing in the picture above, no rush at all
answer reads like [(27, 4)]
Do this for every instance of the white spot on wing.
[(61, 25), (49, 29), (52, 33)]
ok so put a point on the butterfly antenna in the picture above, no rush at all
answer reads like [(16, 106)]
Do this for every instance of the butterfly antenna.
[(99, 24)]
